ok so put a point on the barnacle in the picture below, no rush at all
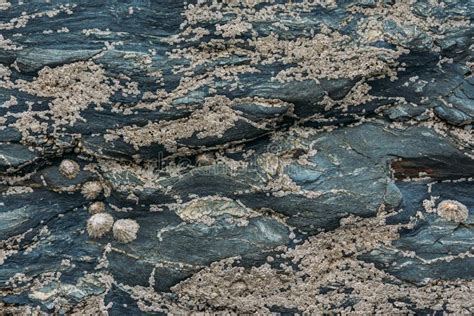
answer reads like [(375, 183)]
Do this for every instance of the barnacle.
[(453, 211), (91, 189), (97, 207), (69, 168), (125, 230), (99, 224)]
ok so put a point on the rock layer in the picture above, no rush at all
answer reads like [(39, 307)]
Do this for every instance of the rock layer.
[(270, 156)]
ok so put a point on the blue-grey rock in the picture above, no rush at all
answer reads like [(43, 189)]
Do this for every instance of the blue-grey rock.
[(252, 157)]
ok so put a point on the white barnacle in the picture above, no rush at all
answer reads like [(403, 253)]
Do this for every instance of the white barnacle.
[(91, 189), (69, 168), (97, 207), (453, 211), (99, 224), (125, 230)]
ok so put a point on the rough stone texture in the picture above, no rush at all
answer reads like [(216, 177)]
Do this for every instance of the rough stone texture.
[(274, 156)]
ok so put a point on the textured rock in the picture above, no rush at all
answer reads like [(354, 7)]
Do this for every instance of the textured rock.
[(276, 156)]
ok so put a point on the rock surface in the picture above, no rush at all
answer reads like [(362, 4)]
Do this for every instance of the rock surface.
[(261, 156)]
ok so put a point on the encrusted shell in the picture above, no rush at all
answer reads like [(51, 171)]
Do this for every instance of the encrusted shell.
[(91, 190), (125, 230), (99, 224), (69, 168), (97, 207), (453, 211)]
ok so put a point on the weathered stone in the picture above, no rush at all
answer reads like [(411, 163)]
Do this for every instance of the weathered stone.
[(285, 157)]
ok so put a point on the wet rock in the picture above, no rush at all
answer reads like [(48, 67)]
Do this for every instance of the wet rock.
[(436, 247), (30, 60), (453, 116), (15, 156)]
